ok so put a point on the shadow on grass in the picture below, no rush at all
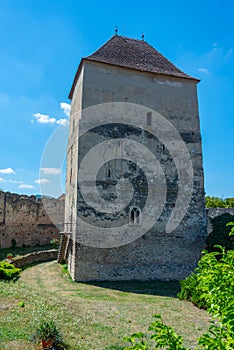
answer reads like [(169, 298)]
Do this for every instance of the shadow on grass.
[(160, 288)]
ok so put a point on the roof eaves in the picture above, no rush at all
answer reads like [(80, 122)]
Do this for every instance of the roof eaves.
[(187, 77)]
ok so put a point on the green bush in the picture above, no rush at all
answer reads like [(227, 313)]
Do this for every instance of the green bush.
[(212, 281), (159, 336), (211, 286), (216, 202), (8, 271)]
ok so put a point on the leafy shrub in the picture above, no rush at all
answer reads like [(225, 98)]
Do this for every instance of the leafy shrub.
[(65, 268), (212, 282), (216, 202), (8, 271), (190, 291), (159, 336), (54, 242), (211, 286)]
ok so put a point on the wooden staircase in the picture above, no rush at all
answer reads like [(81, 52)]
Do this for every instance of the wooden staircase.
[(63, 247)]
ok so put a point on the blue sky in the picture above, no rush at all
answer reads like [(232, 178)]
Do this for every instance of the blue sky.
[(42, 42)]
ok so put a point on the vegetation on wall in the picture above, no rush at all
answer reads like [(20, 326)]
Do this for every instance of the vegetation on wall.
[(216, 202)]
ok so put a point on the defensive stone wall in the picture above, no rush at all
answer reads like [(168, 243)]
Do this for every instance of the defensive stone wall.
[(213, 213), (36, 257), (24, 220)]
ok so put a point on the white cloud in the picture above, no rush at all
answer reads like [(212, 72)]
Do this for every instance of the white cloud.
[(203, 70), (63, 122), (44, 118), (25, 186), (42, 181), (16, 182), (51, 171), (2, 180), (66, 108), (7, 171)]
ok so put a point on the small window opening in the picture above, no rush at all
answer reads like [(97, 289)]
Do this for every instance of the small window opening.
[(149, 119), (71, 176), (108, 173), (135, 216)]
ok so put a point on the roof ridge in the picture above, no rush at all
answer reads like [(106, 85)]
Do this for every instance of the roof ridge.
[(122, 51)]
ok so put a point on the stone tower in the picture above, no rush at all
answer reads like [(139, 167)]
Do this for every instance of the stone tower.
[(135, 204)]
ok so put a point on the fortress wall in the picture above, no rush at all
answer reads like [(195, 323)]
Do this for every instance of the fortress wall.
[(25, 220)]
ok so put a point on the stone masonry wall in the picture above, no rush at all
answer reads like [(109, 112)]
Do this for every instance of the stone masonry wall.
[(36, 257), (156, 254), (25, 220), (213, 213)]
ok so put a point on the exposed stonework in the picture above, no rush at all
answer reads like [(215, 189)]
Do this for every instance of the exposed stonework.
[(36, 257), (213, 213), (157, 254), (24, 219)]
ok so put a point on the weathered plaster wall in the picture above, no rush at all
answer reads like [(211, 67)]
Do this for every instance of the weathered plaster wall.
[(24, 219), (156, 255)]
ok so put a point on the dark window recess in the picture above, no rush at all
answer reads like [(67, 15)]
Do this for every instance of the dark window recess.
[(149, 119), (108, 174), (71, 176), (135, 216)]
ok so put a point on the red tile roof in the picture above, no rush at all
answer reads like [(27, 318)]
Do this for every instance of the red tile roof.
[(134, 54)]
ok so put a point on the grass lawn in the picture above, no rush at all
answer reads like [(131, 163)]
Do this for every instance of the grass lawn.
[(90, 316)]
